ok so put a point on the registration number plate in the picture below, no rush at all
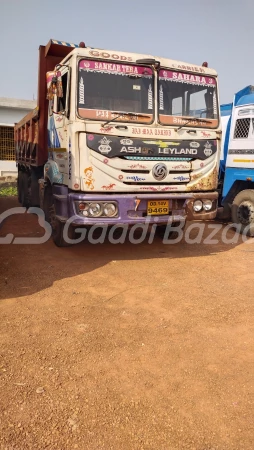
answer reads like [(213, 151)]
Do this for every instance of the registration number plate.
[(158, 207)]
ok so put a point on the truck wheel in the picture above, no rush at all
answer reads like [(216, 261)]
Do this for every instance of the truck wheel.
[(24, 189), (57, 226), (161, 229), (58, 233), (19, 187), (242, 211), (35, 199)]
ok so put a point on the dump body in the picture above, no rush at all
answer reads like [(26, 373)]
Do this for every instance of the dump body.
[(31, 132)]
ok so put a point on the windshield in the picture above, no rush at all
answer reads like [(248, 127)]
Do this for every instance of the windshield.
[(107, 89), (184, 95)]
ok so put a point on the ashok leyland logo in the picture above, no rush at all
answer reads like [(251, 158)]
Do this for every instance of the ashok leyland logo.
[(126, 142), (160, 172)]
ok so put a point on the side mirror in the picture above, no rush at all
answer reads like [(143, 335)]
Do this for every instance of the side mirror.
[(54, 85)]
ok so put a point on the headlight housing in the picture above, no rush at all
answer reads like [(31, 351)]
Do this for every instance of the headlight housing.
[(97, 209)]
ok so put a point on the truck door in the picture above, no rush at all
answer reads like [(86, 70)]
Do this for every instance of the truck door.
[(61, 121)]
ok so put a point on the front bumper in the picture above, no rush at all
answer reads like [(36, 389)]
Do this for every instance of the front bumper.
[(132, 207)]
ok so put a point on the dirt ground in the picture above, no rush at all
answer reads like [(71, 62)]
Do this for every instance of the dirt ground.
[(125, 346)]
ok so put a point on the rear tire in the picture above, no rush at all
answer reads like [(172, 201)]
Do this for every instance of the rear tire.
[(23, 191), (35, 198), (19, 187), (242, 211)]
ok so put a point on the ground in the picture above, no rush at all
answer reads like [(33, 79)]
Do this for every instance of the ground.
[(125, 347)]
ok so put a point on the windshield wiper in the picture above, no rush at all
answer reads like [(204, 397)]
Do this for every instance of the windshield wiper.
[(194, 118), (208, 110), (120, 114)]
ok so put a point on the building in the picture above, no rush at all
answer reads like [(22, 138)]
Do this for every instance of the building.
[(11, 111)]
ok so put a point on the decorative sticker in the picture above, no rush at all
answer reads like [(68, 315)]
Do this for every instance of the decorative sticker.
[(137, 166), (109, 187), (136, 178), (161, 98), (104, 147), (150, 97), (81, 92), (89, 180), (69, 158)]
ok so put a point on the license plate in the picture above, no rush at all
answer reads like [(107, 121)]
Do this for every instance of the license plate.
[(158, 207)]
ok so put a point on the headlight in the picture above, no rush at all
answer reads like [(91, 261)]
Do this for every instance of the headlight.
[(110, 209), (197, 205), (94, 210), (207, 205)]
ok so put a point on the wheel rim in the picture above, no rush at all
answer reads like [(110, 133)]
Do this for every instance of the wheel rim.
[(245, 213)]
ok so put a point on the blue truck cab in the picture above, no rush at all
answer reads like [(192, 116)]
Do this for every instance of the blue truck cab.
[(236, 177)]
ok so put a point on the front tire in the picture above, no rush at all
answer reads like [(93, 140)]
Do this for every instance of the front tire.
[(57, 226), (161, 229), (58, 233), (242, 211)]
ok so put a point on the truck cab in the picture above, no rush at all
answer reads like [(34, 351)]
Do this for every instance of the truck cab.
[(237, 161), (120, 138)]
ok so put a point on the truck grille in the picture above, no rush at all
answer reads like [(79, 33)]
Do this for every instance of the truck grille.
[(242, 128)]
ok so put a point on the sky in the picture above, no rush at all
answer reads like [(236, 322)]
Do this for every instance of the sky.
[(220, 32)]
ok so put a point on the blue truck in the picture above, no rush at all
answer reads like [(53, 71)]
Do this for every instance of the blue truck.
[(236, 175)]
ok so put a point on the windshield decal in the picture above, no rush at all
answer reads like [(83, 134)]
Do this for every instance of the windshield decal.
[(150, 97), (168, 75), (161, 98), (81, 92), (181, 121), (119, 69)]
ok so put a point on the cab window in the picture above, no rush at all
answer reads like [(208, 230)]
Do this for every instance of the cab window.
[(61, 101)]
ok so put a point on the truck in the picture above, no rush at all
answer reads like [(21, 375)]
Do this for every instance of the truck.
[(119, 138), (236, 175)]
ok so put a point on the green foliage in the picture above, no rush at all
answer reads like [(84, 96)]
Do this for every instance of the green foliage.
[(8, 191)]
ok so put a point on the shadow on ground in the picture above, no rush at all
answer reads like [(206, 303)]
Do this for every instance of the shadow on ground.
[(26, 269)]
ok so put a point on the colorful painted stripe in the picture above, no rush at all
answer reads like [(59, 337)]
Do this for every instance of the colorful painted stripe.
[(243, 160), (156, 158), (66, 44)]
